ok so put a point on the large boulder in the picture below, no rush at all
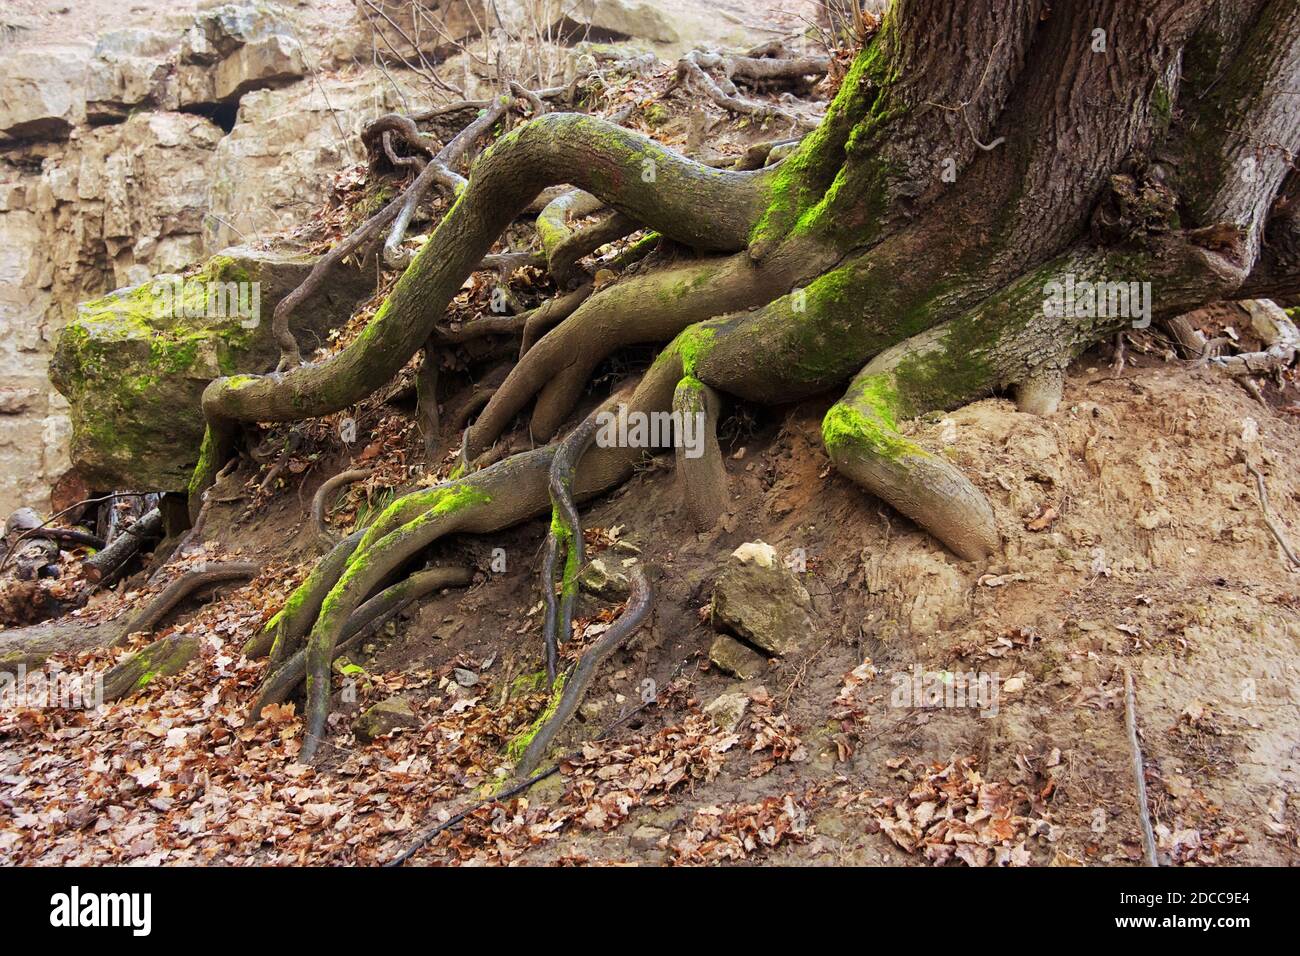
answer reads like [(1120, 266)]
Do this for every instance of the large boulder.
[(134, 363), (285, 148), (42, 90), (428, 29), (224, 53), (621, 20)]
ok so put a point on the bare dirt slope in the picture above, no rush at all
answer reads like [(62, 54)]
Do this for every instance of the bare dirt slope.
[(1134, 540)]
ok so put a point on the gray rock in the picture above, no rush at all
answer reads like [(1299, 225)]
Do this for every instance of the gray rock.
[(736, 658), (648, 837), (42, 90), (604, 579), (131, 68), (383, 718), (760, 600), (727, 710)]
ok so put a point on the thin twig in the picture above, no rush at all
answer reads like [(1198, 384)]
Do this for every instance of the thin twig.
[(1139, 772), (1268, 517)]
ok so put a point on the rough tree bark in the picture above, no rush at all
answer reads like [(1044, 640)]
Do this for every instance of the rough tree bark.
[(975, 154)]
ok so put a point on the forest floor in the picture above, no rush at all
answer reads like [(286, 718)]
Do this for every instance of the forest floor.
[(1157, 561), (1134, 542)]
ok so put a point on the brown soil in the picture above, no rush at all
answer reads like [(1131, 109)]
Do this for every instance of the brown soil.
[(1158, 562)]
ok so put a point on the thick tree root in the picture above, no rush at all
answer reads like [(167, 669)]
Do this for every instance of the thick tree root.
[(651, 308), (703, 207), (182, 588), (496, 497), (284, 632), (550, 314), (575, 688), (283, 680), (163, 658), (1040, 394), (324, 498), (564, 245), (862, 438), (702, 477)]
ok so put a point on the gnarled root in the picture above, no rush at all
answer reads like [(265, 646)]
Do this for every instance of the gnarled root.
[(708, 209), (565, 534), (163, 658), (182, 588), (283, 680), (488, 500), (324, 497), (650, 308), (285, 631), (702, 476), (862, 438), (575, 688)]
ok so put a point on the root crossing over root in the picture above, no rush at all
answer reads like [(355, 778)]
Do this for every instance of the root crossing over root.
[(566, 535), (575, 688)]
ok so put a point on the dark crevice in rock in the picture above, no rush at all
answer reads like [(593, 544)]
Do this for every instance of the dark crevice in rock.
[(222, 114)]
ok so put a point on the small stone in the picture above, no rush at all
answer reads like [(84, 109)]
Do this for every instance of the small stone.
[(464, 678), (647, 837), (736, 658), (727, 710), (604, 580), (383, 718)]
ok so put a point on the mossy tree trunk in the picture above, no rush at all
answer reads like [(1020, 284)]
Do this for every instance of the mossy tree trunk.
[(975, 155)]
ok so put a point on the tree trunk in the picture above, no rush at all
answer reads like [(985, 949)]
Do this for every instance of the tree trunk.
[(996, 186)]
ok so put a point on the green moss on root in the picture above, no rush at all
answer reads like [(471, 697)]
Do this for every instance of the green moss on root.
[(518, 745), (864, 420)]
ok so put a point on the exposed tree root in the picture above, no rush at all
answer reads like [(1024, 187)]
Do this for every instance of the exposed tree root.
[(550, 314), (575, 688), (694, 66), (324, 497), (1139, 770), (703, 478), (649, 308), (1040, 393), (563, 246), (284, 632), (427, 418), (851, 257), (281, 681), (1269, 520), (440, 172), (863, 439), (565, 535), (163, 658), (182, 588)]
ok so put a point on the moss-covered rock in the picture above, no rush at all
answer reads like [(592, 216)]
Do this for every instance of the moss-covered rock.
[(134, 363)]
